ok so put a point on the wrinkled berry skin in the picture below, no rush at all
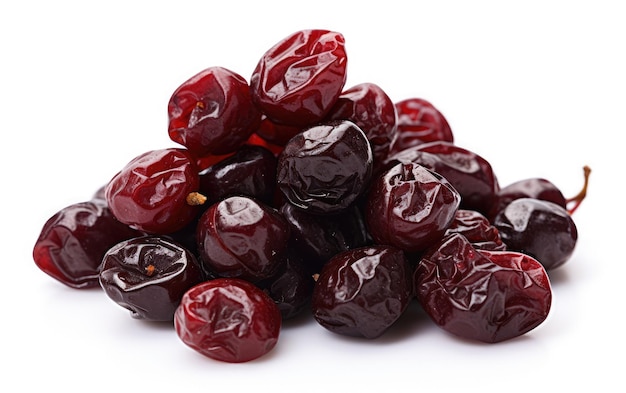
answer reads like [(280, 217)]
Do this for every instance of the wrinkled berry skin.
[(488, 296), (410, 207), (362, 292), (298, 80), (150, 192), (370, 108), (229, 320), (325, 168), (212, 112), (477, 229), (541, 229), (242, 238), (148, 276), (73, 241)]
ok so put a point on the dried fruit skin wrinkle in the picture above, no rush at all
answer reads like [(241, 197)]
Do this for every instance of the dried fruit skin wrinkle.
[(212, 112), (73, 241), (229, 320), (363, 291), (488, 296), (150, 192), (325, 168), (410, 207), (148, 276), (297, 81)]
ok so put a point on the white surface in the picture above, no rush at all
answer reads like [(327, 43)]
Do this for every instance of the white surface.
[(537, 88)]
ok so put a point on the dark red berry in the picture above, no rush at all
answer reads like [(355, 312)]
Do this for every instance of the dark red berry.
[(229, 320), (410, 207), (325, 168), (243, 238), (362, 292), (152, 192), (73, 241), (148, 276), (488, 296), (212, 112), (541, 229), (298, 80)]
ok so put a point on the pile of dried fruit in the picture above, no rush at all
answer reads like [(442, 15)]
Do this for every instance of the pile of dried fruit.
[(291, 194)]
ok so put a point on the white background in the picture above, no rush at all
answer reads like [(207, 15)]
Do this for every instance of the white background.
[(535, 87)]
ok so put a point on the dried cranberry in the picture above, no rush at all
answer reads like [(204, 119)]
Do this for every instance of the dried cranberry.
[(148, 276), (251, 171), (362, 292), (541, 229), (229, 320), (410, 207), (243, 238), (325, 168), (489, 296), (73, 241), (369, 107), (151, 193), (212, 112), (298, 80), (419, 122)]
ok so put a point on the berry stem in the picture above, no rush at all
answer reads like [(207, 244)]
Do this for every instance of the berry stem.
[(195, 199), (578, 198)]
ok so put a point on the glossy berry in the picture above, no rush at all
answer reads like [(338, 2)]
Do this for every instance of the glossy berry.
[(212, 112), (419, 122), (362, 292), (298, 80), (152, 192), (243, 238), (541, 229), (148, 276), (370, 108), (73, 241), (488, 296), (325, 168), (229, 320), (410, 207)]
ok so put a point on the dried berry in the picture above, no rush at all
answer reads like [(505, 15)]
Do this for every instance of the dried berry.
[(229, 320), (488, 296)]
